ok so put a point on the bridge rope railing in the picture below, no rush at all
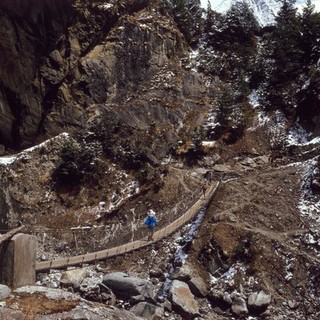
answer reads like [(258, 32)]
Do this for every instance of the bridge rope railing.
[(100, 237), (134, 245)]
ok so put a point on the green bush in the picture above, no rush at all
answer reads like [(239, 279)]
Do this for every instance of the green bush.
[(76, 162)]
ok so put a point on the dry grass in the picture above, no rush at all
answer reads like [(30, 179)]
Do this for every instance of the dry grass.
[(36, 304)]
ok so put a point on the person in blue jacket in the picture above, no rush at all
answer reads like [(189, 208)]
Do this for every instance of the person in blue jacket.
[(150, 222)]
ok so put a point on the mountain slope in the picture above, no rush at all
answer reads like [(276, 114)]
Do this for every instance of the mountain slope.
[(264, 10)]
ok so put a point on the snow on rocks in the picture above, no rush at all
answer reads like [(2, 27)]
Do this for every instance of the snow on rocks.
[(7, 160)]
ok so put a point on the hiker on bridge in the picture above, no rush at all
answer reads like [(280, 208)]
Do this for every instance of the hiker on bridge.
[(150, 222)]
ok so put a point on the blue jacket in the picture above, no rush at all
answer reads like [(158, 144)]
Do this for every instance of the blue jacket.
[(150, 222)]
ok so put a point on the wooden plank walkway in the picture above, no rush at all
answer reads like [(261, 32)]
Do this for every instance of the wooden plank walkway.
[(158, 235)]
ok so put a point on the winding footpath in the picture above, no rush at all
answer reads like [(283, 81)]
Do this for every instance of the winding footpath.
[(134, 245)]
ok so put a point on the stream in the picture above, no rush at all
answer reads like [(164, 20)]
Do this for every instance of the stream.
[(181, 253)]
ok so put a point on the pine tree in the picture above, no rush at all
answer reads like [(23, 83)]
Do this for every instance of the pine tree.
[(309, 99), (286, 51), (310, 30), (188, 16), (283, 54)]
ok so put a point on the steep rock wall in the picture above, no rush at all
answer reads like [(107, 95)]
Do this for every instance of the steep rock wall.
[(67, 61), (29, 30)]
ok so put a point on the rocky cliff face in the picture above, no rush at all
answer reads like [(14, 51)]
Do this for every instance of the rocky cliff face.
[(29, 31), (65, 62)]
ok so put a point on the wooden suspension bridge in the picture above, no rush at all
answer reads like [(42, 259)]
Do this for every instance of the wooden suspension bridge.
[(134, 245)]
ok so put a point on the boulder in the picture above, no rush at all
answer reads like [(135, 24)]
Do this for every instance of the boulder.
[(125, 286), (227, 298), (5, 291), (73, 278), (259, 301), (183, 298), (184, 273), (148, 311), (198, 287), (6, 313), (239, 306)]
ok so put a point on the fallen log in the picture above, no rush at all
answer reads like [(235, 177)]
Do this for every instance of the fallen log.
[(11, 233)]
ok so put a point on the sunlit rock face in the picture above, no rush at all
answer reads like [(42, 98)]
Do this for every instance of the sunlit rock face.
[(66, 62)]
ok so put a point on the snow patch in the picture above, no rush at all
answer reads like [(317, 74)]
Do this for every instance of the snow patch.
[(7, 160)]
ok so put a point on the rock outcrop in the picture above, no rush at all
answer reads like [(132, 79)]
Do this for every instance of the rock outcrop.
[(66, 62)]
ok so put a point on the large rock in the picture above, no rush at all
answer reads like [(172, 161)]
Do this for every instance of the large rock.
[(239, 305), (259, 301), (4, 291), (198, 287), (148, 311), (73, 278), (6, 313), (125, 286), (184, 273), (183, 298)]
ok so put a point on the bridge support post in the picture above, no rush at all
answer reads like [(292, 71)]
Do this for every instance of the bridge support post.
[(18, 261)]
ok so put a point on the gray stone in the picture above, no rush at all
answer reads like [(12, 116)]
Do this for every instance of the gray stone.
[(215, 296), (73, 278), (239, 306), (225, 217), (125, 286), (293, 304), (261, 160), (167, 305), (183, 298), (6, 313), (148, 311), (157, 273), (198, 287), (222, 168), (259, 300), (184, 273), (19, 261), (248, 162), (5, 291), (227, 298), (55, 56)]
